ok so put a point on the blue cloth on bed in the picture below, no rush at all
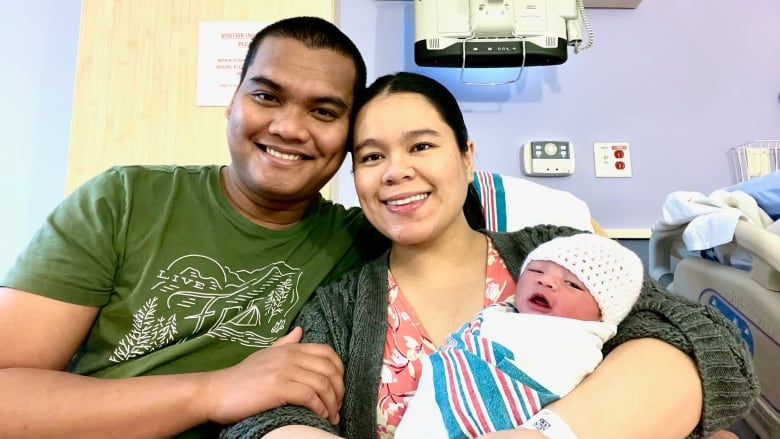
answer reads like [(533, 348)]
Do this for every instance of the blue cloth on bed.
[(765, 190)]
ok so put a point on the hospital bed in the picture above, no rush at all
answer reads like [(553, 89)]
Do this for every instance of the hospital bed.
[(739, 277)]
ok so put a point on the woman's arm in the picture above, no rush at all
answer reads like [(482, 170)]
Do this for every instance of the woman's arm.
[(679, 328), (729, 386), (644, 388), (299, 432), (674, 369)]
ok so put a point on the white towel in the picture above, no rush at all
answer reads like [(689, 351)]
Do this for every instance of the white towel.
[(711, 220)]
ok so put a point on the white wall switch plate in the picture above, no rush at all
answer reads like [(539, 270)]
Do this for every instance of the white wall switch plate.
[(548, 158), (612, 159)]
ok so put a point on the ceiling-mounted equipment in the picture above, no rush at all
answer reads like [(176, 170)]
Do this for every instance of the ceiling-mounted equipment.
[(498, 33)]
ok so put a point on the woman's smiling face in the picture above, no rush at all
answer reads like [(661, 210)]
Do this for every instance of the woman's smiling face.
[(410, 176)]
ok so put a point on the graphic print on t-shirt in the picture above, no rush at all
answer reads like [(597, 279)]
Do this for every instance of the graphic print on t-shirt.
[(197, 295)]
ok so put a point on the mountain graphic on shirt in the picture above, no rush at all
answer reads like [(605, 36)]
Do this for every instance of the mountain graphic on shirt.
[(195, 295)]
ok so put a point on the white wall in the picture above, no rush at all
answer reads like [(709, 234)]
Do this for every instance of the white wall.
[(38, 40)]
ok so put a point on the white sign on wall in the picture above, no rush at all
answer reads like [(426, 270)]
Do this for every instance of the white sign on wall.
[(222, 46)]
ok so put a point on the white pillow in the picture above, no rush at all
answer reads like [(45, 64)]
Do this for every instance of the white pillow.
[(512, 203)]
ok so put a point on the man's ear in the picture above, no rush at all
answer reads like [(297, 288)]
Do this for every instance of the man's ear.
[(229, 108)]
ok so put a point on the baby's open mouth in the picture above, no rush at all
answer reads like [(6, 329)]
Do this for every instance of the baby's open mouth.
[(540, 301)]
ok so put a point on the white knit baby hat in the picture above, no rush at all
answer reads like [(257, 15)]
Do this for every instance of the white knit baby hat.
[(611, 272)]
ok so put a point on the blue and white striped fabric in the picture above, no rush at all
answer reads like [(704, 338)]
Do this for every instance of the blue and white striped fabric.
[(479, 389), (491, 191)]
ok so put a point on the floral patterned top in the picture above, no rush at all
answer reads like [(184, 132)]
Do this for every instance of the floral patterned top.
[(406, 342)]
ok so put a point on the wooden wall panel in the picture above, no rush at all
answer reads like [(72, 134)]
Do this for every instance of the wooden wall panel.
[(136, 79)]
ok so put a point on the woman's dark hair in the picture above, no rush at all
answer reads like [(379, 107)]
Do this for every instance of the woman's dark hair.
[(315, 33), (445, 104)]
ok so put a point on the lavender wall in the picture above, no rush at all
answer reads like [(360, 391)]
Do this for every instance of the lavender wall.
[(681, 81)]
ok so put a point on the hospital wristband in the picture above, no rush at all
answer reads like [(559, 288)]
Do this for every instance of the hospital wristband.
[(550, 425)]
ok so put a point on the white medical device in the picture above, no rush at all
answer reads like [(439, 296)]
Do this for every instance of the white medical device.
[(548, 158), (498, 33)]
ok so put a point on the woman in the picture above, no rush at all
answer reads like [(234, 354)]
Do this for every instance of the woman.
[(413, 164)]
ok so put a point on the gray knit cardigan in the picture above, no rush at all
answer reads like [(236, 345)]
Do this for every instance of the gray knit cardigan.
[(351, 316)]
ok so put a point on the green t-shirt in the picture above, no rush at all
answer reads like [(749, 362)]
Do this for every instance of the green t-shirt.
[(184, 282)]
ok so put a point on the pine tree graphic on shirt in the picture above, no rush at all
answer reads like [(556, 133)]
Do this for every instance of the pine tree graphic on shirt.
[(147, 334)]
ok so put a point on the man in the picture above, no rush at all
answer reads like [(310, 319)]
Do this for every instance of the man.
[(172, 280)]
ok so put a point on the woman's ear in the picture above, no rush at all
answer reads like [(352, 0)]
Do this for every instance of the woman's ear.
[(468, 158)]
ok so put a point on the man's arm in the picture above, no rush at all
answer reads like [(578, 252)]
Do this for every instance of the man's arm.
[(40, 335), (326, 319)]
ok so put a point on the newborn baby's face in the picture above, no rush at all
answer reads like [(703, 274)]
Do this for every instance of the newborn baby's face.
[(547, 288)]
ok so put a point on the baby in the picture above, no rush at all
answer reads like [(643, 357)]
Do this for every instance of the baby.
[(498, 371)]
